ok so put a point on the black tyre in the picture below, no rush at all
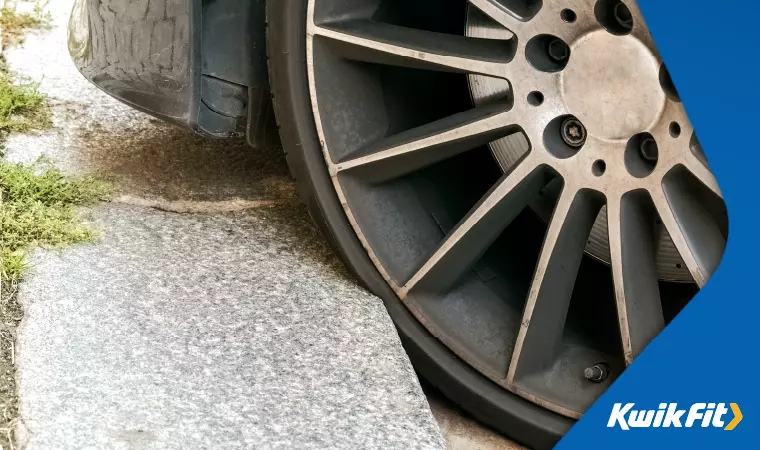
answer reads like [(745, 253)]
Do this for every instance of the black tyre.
[(335, 82)]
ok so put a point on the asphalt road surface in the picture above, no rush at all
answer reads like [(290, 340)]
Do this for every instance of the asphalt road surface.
[(210, 314)]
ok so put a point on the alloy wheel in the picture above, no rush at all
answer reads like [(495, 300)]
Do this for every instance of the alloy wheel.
[(522, 174)]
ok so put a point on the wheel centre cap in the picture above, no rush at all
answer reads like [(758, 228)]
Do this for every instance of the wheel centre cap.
[(611, 84)]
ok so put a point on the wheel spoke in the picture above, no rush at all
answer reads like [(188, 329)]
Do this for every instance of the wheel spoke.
[(420, 147), (553, 282), (693, 231), (469, 240), (701, 172), (682, 146), (573, 102), (630, 223), (370, 41), (500, 14)]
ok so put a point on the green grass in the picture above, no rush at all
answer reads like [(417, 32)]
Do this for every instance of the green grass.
[(36, 200), (38, 209), (14, 23), (37, 204), (22, 107)]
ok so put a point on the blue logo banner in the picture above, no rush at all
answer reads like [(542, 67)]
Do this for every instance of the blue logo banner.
[(696, 385)]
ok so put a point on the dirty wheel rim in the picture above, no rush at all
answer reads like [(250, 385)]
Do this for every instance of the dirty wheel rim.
[(574, 103)]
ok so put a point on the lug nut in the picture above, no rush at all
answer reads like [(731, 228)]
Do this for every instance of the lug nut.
[(558, 50), (649, 150), (597, 373), (573, 132)]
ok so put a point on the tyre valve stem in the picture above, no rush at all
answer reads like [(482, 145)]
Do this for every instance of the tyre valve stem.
[(597, 373)]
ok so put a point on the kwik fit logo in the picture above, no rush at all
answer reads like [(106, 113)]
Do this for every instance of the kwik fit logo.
[(669, 415)]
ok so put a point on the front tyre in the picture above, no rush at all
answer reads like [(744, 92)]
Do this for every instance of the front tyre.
[(444, 155)]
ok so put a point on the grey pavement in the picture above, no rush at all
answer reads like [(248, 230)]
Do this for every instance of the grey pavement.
[(210, 314), (199, 331)]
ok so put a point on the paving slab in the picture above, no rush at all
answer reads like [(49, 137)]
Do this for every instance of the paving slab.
[(197, 331)]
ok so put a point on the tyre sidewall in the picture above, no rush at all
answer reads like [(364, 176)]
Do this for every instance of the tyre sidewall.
[(490, 403)]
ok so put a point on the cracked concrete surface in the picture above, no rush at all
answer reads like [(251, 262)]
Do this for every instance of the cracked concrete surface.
[(211, 314)]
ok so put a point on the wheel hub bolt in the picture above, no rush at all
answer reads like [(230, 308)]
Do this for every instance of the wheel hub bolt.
[(649, 150), (573, 132), (558, 50), (597, 373)]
